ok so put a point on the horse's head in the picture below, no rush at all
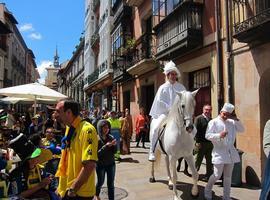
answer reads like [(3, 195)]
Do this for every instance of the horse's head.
[(186, 107)]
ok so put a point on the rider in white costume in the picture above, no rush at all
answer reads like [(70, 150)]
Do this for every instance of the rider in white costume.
[(162, 103)]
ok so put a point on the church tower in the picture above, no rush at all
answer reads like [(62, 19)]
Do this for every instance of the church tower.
[(52, 71), (56, 59)]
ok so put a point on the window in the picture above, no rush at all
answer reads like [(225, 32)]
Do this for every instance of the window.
[(162, 8), (117, 42), (200, 78)]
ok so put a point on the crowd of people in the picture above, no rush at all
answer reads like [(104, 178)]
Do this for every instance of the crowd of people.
[(63, 149), (76, 144)]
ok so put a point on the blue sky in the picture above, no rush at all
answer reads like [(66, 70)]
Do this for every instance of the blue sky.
[(47, 24)]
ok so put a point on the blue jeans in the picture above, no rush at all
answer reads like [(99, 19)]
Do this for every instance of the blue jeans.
[(110, 170), (265, 193)]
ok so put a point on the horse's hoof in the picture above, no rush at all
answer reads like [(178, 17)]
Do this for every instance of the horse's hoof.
[(175, 198), (152, 180), (170, 187)]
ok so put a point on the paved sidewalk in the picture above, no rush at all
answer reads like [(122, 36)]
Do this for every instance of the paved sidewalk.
[(132, 175)]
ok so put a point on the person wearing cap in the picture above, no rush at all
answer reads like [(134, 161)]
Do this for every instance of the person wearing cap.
[(221, 131), (3, 121), (34, 126), (162, 103), (76, 169), (37, 181), (33, 181)]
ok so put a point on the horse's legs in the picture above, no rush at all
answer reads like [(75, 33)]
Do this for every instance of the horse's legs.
[(174, 178), (195, 175), (152, 178), (170, 184)]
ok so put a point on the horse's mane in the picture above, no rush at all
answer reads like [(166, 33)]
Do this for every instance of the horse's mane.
[(174, 108)]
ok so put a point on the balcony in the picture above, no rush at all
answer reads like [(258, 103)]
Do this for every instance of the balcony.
[(93, 77), (123, 13), (251, 20), (135, 3), (104, 70), (140, 59), (95, 37), (119, 71), (180, 31)]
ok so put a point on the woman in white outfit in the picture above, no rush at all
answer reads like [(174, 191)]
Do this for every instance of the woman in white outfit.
[(162, 103), (221, 131)]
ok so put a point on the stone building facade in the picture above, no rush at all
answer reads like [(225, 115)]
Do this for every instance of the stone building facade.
[(17, 62), (98, 80)]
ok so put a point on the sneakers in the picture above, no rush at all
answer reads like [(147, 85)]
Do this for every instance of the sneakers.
[(152, 157)]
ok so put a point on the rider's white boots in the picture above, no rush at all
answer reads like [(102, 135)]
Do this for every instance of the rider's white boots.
[(153, 141)]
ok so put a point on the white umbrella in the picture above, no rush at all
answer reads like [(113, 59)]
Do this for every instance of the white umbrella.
[(33, 91), (11, 100), (14, 100)]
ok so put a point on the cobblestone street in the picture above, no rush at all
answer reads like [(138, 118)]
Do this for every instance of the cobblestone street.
[(133, 172)]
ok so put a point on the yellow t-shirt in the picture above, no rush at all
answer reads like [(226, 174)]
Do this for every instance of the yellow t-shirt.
[(34, 177), (83, 147)]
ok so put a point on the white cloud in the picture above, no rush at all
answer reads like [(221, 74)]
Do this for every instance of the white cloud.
[(26, 27), (41, 67), (35, 36), (41, 80)]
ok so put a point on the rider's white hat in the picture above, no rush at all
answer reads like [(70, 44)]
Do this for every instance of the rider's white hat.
[(228, 108), (169, 67)]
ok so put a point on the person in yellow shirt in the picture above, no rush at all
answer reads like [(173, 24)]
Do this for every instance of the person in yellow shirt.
[(76, 170), (115, 131)]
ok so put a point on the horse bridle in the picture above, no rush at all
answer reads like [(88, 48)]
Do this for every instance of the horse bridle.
[(181, 111)]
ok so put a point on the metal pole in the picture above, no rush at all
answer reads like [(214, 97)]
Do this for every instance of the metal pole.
[(230, 74), (219, 56)]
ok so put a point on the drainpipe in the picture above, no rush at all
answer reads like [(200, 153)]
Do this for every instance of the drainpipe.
[(230, 74), (219, 56)]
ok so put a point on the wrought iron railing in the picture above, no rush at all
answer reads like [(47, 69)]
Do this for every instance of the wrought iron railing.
[(144, 49), (103, 67), (248, 14), (95, 36), (183, 24), (92, 77)]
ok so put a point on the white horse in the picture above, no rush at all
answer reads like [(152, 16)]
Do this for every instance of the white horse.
[(178, 139)]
